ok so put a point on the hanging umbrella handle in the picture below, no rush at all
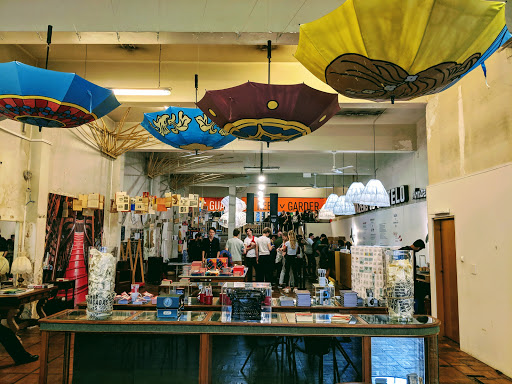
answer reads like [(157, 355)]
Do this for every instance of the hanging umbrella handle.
[(90, 102)]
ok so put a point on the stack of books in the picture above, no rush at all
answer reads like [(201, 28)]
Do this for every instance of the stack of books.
[(303, 298), (348, 299), (304, 317), (286, 301), (341, 319)]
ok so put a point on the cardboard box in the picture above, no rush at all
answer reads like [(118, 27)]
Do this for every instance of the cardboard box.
[(161, 208), (123, 207), (77, 205), (138, 199), (88, 212), (141, 207), (174, 301)]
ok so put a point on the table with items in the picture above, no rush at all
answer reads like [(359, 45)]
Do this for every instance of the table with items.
[(140, 344)]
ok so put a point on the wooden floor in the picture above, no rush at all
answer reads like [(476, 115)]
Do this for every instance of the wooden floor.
[(455, 365)]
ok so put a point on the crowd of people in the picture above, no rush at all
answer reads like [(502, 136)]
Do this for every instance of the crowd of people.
[(285, 259)]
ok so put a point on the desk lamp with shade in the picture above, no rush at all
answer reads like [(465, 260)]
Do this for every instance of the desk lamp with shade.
[(21, 265)]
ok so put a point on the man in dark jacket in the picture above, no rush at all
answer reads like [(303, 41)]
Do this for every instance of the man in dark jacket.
[(211, 246)]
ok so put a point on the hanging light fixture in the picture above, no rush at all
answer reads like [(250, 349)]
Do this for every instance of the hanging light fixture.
[(325, 214), (355, 189), (374, 194), (342, 206)]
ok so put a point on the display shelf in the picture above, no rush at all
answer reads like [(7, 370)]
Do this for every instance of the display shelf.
[(185, 316), (204, 326), (80, 314)]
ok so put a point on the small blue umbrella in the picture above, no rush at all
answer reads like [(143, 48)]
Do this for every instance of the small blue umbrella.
[(52, 99), (186, 128)]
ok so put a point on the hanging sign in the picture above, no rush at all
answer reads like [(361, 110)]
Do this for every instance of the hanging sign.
[(288, 204), (419, 193)]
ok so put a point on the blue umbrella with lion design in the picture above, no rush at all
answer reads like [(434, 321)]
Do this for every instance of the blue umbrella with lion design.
[(186, 128)]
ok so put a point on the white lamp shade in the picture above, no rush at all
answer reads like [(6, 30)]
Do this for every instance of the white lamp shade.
[(325, 214), (331, 200), (240, 205), (4, 266), (240, 219), (374, 195), (21, 264), (342, 207), (354, 192)]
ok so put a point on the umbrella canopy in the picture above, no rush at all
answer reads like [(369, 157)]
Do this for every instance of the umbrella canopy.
[(239, 204), (52, 99), (185, 128), (268, 112), (240, 219), (400, 49)]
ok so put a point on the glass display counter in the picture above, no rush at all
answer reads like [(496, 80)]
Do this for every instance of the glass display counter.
[(199, 347)]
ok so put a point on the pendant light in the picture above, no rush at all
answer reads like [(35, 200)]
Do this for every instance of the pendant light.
[(342, 207), (374, 194), (331, 200), (355, 189)]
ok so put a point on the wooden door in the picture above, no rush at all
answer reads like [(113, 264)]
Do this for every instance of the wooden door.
[(446, 277)]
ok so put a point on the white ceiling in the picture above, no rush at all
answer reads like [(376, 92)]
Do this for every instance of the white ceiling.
[(127, 43)]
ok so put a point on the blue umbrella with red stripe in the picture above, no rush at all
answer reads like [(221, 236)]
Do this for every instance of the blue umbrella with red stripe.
[(51, 99)]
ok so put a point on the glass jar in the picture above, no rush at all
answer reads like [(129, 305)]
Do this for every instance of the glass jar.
[(400, 284)]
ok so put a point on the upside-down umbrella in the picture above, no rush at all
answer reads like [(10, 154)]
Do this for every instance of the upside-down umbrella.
[(52, 99), (240, 219), (269, 112), (400, 49), (239, 204), (185, 128)]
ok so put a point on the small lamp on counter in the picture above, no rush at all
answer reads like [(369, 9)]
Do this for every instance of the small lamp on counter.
[(21, 265)]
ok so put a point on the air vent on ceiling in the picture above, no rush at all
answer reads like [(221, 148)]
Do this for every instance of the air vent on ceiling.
[(128, 47), (361, 112)]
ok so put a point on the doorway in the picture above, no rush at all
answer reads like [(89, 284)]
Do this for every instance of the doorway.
[(446, 277)]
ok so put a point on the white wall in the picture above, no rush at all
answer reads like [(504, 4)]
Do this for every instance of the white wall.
[(482, 208), (409, 169), (396, 226), (60, 163)]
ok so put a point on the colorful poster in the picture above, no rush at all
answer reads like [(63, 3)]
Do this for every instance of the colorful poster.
[(69, 234)]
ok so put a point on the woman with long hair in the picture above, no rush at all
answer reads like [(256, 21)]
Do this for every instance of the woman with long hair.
[(291, 249)]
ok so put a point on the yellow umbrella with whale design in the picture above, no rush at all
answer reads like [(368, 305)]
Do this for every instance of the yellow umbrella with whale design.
[(401, 49)]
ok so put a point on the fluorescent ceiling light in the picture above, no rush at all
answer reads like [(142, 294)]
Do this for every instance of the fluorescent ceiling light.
[(141, 92), (261, 178), (261, 187), (260, 193)]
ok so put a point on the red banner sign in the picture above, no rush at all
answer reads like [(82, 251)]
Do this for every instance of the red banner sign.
[(288, 204)]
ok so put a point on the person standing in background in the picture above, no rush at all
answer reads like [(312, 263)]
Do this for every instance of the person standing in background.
[(265, 264), (251, 253), (195, 248), (296, 221), (308, 250), (235, 246), (211, 246), (291, 248)]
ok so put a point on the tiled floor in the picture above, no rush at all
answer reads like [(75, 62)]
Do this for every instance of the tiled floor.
[(455, 365)]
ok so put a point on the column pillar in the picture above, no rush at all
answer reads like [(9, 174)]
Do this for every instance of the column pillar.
[(232, 210)]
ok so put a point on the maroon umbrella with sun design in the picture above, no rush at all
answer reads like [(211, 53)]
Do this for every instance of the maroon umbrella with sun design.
[(269, 112)]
